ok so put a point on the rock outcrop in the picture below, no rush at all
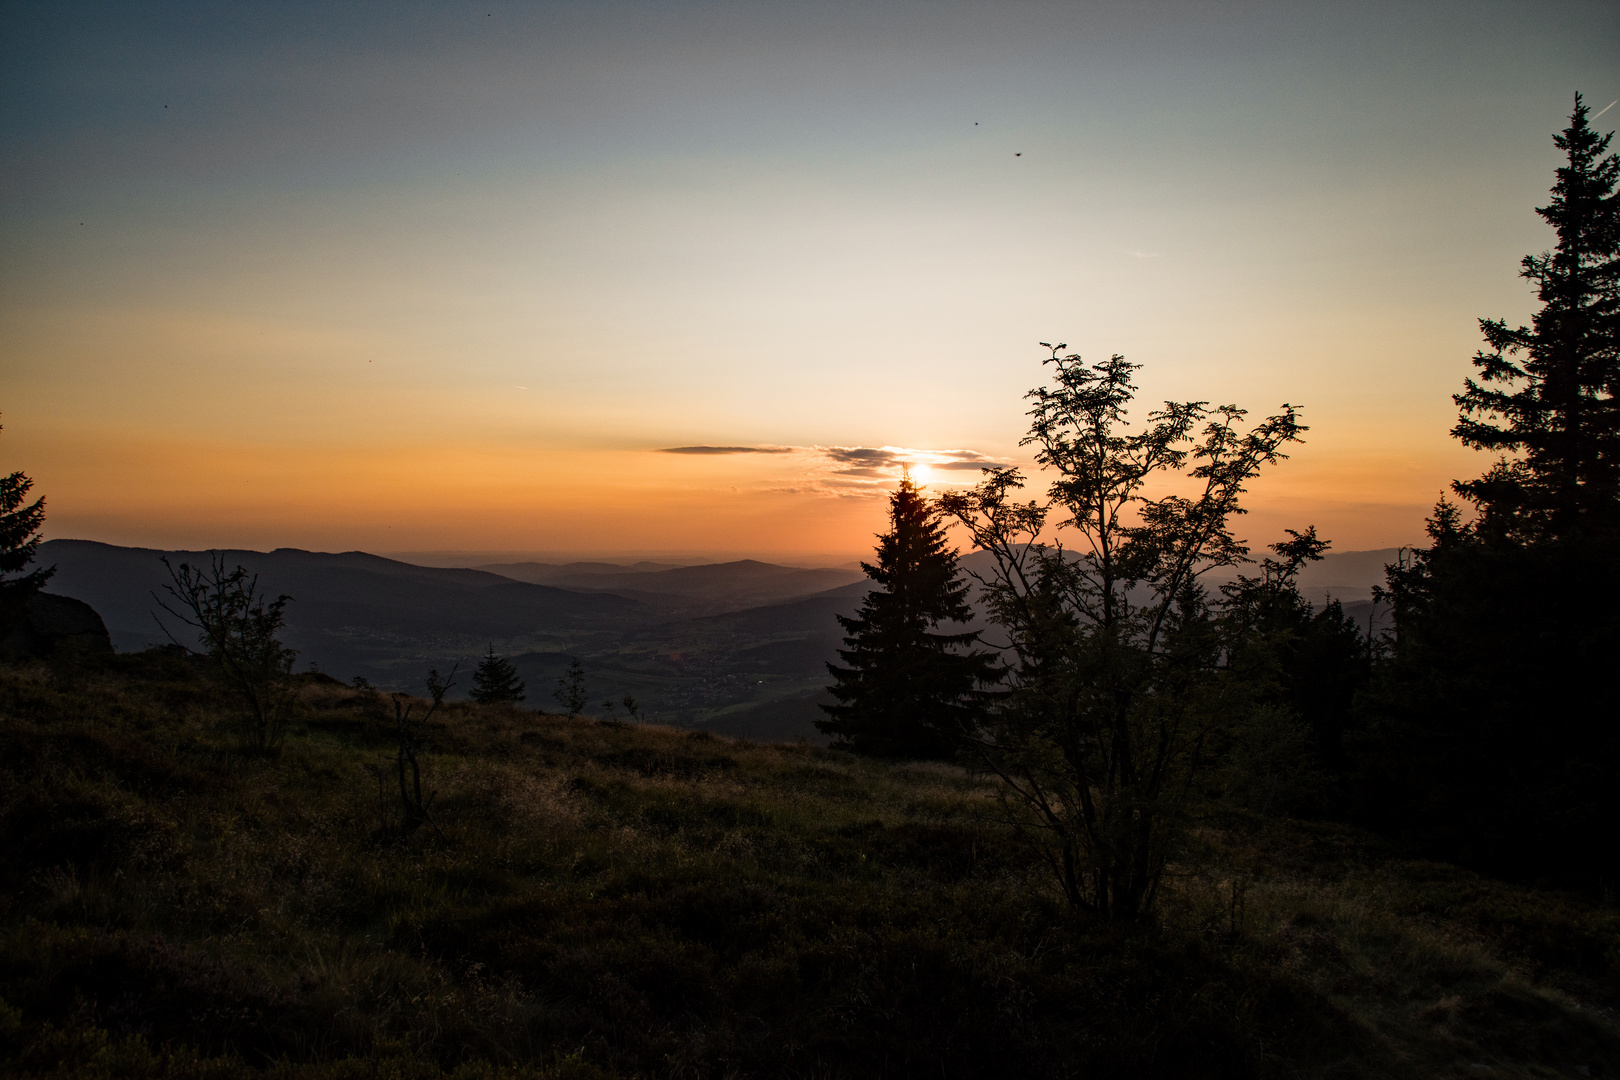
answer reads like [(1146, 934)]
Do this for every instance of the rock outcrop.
[(47, 625)]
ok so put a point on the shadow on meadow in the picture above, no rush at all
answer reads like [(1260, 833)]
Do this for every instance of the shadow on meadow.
[(618, 900)]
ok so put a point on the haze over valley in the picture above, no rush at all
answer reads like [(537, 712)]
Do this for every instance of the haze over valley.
[(739, 648)]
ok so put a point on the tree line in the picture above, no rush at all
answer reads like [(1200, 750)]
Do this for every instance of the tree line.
[(1115, 691)]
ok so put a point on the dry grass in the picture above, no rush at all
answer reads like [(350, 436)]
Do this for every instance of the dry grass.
[(638, 901)]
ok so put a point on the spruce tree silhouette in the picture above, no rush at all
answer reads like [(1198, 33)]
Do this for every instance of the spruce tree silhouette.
[(19, 540), (1490, 735), (496, 681), (1558, 408), (907, 691), (570, 692)]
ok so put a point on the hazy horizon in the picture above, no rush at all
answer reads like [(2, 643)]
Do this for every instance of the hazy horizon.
[(452, 558)]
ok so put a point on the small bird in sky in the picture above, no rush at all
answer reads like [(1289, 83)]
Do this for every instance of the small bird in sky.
[(1019, 154)]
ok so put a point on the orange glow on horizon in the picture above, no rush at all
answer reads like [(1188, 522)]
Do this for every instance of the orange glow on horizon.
[(168, 492)]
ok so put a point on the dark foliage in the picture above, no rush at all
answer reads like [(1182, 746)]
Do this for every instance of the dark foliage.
[(238, 629), (1490, 734), (496, 681), (570, 692), (19, 539), (1119, 673), (909, 691), (1557, 410), (1492, 738), (1307, 663)]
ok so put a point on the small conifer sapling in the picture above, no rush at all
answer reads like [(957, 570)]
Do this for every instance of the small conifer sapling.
[(570, 692), (496, 681)]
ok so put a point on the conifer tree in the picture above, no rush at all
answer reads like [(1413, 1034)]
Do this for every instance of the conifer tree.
[(1491, 738), (570, 692), (19, 539), (496, 681), (1557, 409), (908, 692)]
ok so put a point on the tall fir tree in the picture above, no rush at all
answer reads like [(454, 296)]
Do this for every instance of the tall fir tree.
[(1490, 734), (1556, 410), (496, 681), (909, 691)]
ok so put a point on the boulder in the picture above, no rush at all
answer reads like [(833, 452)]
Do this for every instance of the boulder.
[(45, 624)]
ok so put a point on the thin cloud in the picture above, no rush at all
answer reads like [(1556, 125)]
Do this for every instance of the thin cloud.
[(890, 457), (1606, 108), (963, 461), (726, 450), (864, 455), (854, 472), (876, 467)]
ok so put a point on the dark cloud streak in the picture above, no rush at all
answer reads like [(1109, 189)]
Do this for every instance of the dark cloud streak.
[(862, 455), (726, 450)]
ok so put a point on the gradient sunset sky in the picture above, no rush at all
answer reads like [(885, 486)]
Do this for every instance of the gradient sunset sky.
[(459, 277)]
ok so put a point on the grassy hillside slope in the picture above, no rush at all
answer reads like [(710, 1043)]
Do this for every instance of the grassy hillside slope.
[(608, 900)]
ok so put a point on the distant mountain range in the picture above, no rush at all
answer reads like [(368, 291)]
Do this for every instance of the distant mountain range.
[(352, 613), (677, 644), (685, 590), (739, 647)]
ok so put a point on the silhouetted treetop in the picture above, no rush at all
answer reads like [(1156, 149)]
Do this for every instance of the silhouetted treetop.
[(496, 681), (1555, 413), (908, 691), (20, 538)]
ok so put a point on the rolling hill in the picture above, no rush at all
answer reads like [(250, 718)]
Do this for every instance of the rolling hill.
[(687, 591), (352, 613), (355, 614)]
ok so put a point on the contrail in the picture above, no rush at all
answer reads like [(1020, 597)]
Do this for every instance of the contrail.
[(1606, 108)]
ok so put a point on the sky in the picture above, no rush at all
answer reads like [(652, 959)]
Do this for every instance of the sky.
[(453, 277)]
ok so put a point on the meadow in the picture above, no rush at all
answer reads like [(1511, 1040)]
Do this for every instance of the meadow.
[(601, 899)]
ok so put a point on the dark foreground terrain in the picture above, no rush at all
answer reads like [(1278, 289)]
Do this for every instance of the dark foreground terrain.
[(610, 900)]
